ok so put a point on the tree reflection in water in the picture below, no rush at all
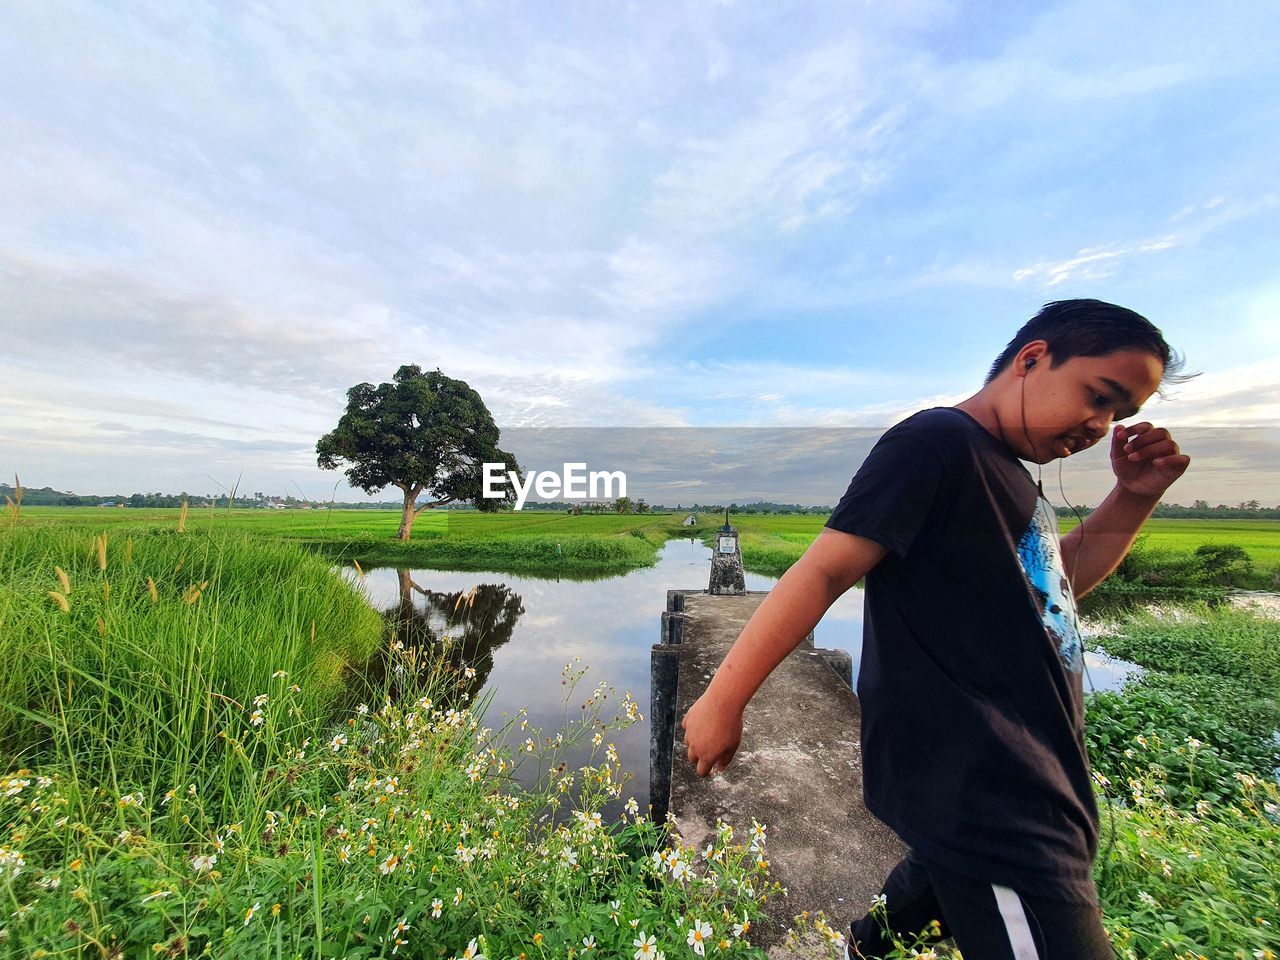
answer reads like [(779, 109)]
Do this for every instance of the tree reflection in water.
[(460, 629)]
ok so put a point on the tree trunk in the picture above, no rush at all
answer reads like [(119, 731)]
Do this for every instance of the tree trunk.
[(406, 520)]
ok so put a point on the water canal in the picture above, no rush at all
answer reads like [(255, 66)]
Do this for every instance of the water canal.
[(520, 632)]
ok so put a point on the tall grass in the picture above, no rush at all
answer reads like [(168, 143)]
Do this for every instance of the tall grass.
[(126, 655), (181, 777)]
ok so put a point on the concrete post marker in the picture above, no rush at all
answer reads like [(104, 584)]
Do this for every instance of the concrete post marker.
[(726, 562)]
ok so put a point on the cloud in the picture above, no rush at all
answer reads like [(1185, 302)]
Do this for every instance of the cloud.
[(650, 279), (1193, 223), (1099, 262), (1242, 396), (806, 152), (1091, 263), (104, 317)]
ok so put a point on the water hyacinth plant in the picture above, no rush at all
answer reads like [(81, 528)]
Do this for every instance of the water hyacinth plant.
[(1190, 865)]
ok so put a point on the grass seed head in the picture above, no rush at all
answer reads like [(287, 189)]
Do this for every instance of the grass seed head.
[(13, 505), (63, 580), (60, 600)]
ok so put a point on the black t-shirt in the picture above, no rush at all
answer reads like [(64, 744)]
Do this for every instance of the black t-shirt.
[(970, 684)]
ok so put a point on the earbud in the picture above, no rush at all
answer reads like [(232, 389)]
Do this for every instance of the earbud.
[(1029, 364)]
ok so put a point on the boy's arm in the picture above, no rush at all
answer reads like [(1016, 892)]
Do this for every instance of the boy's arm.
[(834, 562), (1145, 460)]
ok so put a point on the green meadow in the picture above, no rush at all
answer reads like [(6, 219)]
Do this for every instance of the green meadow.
[(591, 545), (1259, 538), (771, 543)]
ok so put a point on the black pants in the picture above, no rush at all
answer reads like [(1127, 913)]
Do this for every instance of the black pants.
[(988, 922)]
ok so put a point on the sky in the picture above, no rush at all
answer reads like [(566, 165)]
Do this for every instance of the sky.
[(215, 218)]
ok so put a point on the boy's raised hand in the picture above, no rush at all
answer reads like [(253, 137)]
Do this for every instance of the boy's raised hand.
[(712, 733), (1145, 458)]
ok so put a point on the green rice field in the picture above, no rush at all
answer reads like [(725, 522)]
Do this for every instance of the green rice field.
[(586, 545)]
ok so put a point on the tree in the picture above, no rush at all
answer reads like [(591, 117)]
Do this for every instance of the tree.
[(622, 505), (423, 433)]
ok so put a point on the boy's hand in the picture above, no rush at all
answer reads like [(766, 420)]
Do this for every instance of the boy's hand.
[(1145, 459), (712, 733)]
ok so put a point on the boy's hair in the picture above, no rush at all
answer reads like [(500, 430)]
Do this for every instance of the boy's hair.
[(1091, 328)]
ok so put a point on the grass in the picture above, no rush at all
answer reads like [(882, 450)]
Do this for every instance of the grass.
[(185, 776), (1260, 539), (126, 654), (771, 543), (597, 545), (303, 525), (587, 546)]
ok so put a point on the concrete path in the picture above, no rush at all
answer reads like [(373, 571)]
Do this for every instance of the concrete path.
[(798, 771)]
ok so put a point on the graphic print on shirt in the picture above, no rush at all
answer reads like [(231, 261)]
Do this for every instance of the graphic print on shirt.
[(1041, 558)]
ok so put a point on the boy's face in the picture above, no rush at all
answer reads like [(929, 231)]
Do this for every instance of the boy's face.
[(1070, 407)]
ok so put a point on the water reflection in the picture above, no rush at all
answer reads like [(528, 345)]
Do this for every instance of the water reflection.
[(462, 627)]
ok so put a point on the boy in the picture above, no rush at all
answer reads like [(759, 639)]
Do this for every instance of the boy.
[(970, 684)]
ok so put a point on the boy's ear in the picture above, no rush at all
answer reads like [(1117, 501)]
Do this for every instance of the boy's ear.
[(1038, 353)]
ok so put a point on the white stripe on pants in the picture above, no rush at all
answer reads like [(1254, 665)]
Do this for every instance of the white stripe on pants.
[(1015, 923)]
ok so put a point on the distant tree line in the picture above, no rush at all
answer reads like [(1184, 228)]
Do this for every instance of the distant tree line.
[(48, 497), (1199, 510), (756, 506)]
